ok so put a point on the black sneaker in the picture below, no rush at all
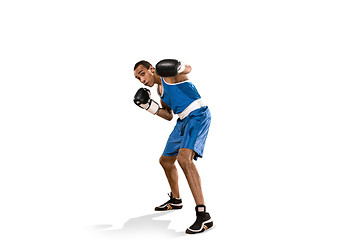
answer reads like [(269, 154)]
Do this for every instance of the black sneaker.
[(203, 221), (173, 203)]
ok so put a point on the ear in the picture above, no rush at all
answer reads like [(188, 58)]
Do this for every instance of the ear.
[(152, 69)]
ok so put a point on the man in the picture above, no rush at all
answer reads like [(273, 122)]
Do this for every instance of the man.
[(186, 142)]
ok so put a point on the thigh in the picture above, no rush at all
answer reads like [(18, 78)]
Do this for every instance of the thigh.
[(174, 141), (196, 133)]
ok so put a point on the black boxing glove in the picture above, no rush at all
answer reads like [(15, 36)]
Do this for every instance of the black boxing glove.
[(143, 100), (169, 68)]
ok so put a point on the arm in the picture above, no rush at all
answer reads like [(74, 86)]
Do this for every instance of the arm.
[(165, 112), (143, 100), (187, 69)]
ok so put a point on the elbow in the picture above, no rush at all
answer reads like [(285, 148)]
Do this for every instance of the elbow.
[(169, 118)]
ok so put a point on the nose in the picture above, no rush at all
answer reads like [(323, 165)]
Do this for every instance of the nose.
[(142, 80)]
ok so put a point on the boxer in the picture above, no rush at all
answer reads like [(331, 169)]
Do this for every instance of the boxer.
[(186, 142)]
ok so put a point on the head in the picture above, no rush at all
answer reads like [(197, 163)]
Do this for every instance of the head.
[(145, 73)]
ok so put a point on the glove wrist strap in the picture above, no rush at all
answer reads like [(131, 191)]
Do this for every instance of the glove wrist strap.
[(153, 107)]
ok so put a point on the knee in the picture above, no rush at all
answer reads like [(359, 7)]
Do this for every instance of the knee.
[(184, 161), (166, 162)]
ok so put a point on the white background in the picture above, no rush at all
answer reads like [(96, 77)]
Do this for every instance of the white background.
[(80, 161)]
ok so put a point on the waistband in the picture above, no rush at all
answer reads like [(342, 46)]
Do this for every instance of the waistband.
[(193, 106)]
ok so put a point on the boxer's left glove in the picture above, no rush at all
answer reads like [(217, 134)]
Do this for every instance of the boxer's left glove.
[(169, 67), (143, 100)]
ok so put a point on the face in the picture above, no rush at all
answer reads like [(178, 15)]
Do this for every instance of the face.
[(145, 76)]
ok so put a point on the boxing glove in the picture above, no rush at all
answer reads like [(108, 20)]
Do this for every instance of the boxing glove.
[(169, 68), (143, 100)]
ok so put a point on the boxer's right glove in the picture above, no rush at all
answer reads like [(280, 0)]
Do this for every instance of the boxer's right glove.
[(143, 100)]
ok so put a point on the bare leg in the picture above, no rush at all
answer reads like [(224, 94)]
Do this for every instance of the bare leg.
[(168, 164), (185, 159)]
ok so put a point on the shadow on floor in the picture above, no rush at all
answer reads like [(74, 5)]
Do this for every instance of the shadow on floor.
[(140, 226)]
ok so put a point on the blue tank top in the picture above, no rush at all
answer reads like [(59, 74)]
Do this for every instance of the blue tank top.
[(179, 95)]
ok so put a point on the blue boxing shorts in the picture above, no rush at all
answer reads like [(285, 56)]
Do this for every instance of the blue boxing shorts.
[(190, 132)]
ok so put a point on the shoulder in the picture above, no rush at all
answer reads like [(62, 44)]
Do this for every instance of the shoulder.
[(177, 79)]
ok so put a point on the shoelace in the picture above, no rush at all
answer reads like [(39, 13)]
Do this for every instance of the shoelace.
[(169, 201)]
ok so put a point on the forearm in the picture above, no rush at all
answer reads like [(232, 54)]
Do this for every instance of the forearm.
[(165, 114)]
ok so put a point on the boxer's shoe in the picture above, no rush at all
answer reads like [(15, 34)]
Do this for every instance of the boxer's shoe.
[(172, 204), (203, 221)]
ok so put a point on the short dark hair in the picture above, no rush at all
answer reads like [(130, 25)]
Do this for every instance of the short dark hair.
[(144, 63)]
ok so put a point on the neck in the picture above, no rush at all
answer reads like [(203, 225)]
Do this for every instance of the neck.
[(158, 79)]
